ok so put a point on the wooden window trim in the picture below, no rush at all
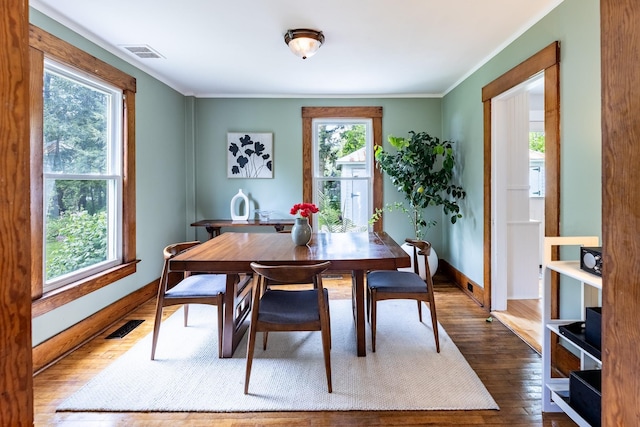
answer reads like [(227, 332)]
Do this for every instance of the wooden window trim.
[(310, 113), (43, 44)]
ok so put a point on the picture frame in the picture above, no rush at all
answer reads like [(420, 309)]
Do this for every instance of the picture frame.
[(249, 155)]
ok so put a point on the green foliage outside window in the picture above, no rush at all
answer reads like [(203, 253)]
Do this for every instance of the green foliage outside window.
[(75, 240), (334, 142), (536, 141), (76, 120)]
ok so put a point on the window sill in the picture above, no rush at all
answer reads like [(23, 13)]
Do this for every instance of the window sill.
[(65, 294)]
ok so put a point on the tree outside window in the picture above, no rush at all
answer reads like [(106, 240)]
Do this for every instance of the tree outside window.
[(81, 146), (342, 182)]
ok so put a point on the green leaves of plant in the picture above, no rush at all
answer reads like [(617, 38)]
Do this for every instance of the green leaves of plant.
[(422, 169)]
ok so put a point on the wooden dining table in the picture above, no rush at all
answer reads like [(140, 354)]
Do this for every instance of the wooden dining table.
[(232, 254)]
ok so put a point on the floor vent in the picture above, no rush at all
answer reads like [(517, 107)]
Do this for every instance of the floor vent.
[(125, 329)]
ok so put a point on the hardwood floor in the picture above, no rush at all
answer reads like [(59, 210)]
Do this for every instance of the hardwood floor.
[(508, 367), (524, 318)]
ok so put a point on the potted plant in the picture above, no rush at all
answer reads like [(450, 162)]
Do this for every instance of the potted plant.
[(421, 168)]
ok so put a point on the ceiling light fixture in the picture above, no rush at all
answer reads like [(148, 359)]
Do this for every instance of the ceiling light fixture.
[(304, 42)]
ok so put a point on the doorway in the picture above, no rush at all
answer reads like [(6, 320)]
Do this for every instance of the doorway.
[(518, 207), (498, 211)]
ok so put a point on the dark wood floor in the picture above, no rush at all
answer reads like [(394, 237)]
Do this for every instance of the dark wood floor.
[(508, 367)]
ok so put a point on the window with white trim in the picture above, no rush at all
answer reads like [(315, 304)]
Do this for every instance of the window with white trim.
[(82, 175), (342, 178)]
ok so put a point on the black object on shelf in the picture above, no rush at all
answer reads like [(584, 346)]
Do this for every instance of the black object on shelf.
[(575, 332), (585, 395), (593, 326)]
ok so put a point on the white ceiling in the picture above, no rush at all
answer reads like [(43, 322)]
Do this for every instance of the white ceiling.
[(235, 48)]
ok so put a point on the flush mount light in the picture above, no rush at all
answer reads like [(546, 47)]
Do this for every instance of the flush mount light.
[(304, 42)]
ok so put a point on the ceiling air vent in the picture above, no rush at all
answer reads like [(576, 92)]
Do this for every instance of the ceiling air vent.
[(142, 51)]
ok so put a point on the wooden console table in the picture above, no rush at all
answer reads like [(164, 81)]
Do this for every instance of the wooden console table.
[(213, 226)]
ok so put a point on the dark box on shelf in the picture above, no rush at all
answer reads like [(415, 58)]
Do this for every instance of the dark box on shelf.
[(593, 326), (575, 333), (585, 395)]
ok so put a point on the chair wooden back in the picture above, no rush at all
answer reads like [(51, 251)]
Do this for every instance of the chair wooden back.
[(167, 279), (420, 247), (291, 274)]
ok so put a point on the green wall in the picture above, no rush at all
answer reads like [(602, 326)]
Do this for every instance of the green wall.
[(160, 184), (576, 24), (282, 117)]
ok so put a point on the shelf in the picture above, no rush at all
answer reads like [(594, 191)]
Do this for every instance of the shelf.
[(572, 269), (555, 391), (561, 398)]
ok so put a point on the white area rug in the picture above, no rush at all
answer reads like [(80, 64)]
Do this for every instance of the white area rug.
[(405, 373)]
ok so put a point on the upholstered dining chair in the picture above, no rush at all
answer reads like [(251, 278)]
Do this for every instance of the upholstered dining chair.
[(287, 308), (190, 289), (394, 284)]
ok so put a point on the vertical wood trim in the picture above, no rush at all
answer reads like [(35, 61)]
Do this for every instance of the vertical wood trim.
[(16, 394), (620, 44), (552, 195), (307, 159), (488, 164), (36, 107), (376, 173), (129, 177)]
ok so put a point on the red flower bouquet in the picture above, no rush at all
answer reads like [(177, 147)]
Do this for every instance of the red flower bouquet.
[(304, 209)]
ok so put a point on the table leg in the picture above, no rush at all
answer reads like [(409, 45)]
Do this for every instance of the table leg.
[(213, 231), (357, 293), (237, 303)]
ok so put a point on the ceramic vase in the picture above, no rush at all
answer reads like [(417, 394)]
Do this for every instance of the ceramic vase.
[(301, 232), (239, 202)]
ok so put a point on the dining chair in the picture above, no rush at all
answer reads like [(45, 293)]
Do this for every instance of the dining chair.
[(190, 289), (394, 284), (286, 308)]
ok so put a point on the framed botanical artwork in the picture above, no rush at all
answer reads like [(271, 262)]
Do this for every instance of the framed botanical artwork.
[(249, 155)]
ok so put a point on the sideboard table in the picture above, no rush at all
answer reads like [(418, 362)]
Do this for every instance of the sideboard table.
[(214, 226)]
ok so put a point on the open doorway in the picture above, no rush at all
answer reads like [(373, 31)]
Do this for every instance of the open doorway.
[(514, 226), (518, 207)]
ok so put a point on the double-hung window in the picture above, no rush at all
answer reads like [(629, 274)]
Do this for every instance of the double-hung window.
[(83, 204), (338, 166), (82, 174), (342, 174)]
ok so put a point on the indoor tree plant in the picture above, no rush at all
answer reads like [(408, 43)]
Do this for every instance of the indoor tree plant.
[(421, 168)]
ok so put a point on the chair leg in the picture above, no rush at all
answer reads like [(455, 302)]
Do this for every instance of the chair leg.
[(186, 314), (326, 347), (419, 310), (374, 306), (250, 347), (434, 318), (220, 323), (329, 325), (156, 329), (265, 336), (368, 304)]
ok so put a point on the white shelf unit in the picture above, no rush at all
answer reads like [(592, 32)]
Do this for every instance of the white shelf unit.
[(555, 391)]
